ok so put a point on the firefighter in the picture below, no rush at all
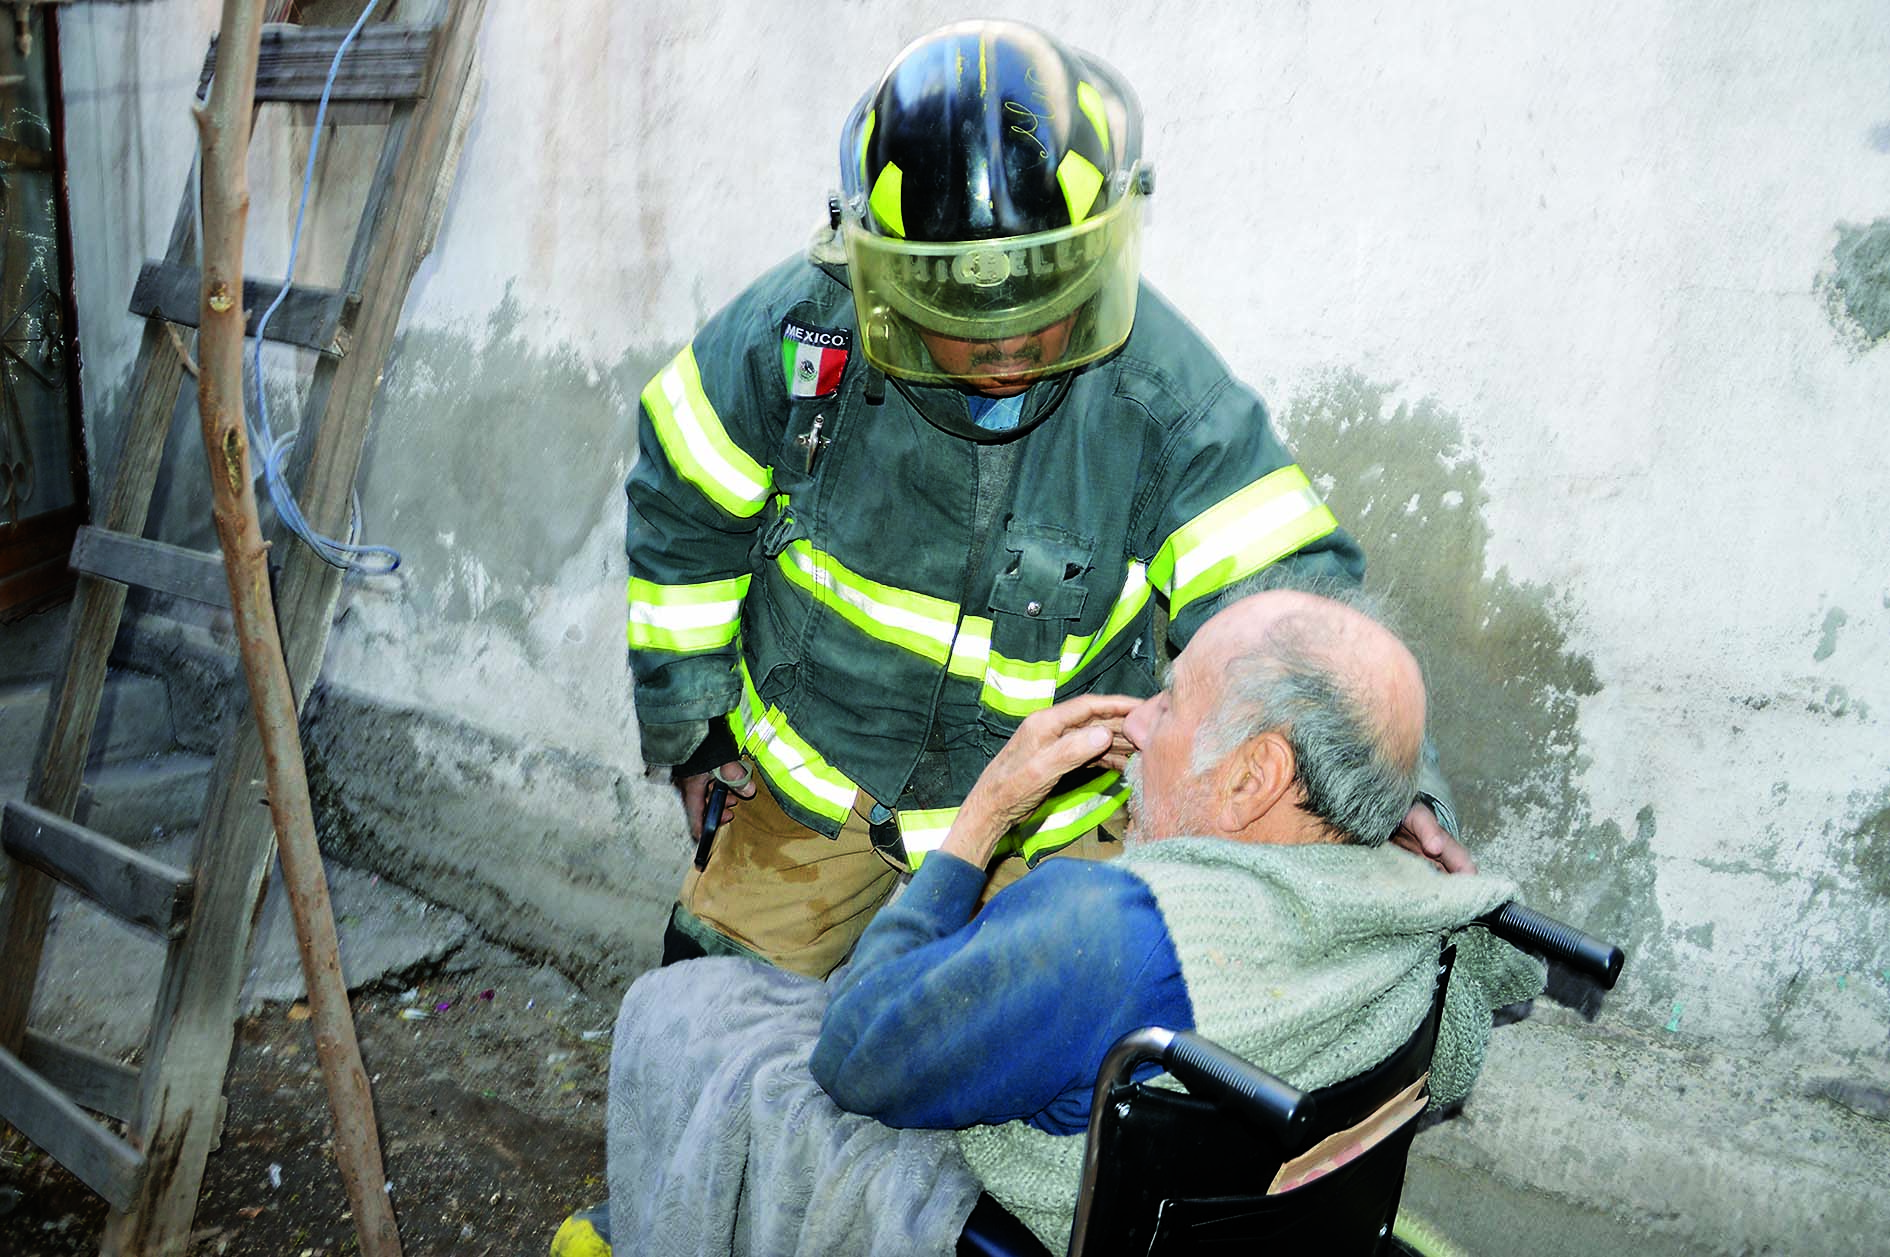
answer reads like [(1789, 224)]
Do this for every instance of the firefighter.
[(955, 462)]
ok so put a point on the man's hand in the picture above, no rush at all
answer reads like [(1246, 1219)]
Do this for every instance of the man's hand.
[(1422, 835), (1050, 743), (695, 794)]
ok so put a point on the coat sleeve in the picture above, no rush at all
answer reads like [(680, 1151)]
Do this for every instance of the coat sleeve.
[(1228, 500), (706, 432)]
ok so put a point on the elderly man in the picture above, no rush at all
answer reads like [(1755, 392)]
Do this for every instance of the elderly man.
[(1258, 904)]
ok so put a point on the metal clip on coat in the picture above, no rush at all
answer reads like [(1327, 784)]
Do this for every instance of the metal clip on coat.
[(812, 442)]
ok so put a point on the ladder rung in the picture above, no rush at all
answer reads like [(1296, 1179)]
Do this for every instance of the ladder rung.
[(101, 1160), (90, 1080), (314, 318), (151, 565), (385, 62), (128, 884)]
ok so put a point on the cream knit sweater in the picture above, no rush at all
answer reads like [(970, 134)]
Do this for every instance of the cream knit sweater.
[(1314, 962)]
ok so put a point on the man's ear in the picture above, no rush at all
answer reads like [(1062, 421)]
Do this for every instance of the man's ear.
[(1258, 777)]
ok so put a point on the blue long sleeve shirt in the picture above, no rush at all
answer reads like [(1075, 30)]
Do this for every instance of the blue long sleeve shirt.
[(950, 1017)]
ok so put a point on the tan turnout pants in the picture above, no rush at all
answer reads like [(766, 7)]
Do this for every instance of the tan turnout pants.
[(799, 899)]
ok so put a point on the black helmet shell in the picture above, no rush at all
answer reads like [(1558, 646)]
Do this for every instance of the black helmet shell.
[(986, 130)]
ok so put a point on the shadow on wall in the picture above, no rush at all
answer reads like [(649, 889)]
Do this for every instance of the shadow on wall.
[(1506, 686)]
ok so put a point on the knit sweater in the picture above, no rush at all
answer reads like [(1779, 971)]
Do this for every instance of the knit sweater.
[(1314, 962)]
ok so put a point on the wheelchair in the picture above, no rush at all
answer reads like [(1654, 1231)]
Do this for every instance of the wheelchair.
[(1242, 1162)]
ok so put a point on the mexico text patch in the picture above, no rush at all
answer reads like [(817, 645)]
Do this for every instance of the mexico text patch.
[(813, 357)]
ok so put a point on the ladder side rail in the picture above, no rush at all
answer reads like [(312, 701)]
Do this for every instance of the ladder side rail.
[(191, 1036)]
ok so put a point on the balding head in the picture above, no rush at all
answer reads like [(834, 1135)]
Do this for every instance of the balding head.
[(1305, 691)]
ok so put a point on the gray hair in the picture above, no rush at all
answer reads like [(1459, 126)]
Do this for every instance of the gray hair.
[(1351, 781)]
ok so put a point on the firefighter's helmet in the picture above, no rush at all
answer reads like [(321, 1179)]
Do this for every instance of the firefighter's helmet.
[(991, 188)]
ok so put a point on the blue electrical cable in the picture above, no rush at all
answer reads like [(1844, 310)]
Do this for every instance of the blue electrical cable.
[(273, 451)]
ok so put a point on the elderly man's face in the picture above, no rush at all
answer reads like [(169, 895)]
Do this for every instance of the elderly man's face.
[(1168, 798)]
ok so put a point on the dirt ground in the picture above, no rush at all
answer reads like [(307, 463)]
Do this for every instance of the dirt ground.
[(489, 1090)]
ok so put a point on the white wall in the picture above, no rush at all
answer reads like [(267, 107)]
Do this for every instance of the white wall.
[(1535, 289)]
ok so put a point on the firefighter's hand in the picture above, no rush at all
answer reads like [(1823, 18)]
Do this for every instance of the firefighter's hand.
[(1050, 743), (1421, 834), (695, 793)]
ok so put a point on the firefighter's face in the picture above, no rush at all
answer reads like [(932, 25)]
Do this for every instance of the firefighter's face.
[(1001, 368)]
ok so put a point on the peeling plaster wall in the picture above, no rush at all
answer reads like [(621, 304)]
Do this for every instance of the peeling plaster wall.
[(1575, 313)]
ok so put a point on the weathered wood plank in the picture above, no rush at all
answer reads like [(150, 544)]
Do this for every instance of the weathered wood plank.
[(127, 883), (148, 564), (41, 1112), (191, 1041), (91, 627), (385, 62), (314, 318), (89, 1079)]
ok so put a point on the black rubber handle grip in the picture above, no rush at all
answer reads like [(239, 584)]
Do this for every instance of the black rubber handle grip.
[(1583, 952), (714, 803), (1214, 1073)]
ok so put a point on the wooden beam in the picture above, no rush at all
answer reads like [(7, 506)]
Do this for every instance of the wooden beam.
[(91, 1080), (155, 565), (40, 1111), (314, 318), (128, 884), (387, 61), (91, 627)]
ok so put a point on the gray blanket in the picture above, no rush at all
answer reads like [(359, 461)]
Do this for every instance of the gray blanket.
[(720, 1142)]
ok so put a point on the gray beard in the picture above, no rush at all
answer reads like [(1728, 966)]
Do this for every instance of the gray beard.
[(1134, 837)]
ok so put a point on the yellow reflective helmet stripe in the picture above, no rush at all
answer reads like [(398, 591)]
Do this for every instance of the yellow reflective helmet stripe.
[(1090, 101), (866, 138), (696, 443), (1081, 181), (685, 617), (918, 622), (888, 208), (1258, 525), (793, 767), (1056, 823)]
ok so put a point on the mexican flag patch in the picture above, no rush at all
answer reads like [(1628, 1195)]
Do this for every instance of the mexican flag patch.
[(813, 358)]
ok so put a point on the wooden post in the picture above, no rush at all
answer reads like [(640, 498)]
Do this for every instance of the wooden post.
[(224, 126)]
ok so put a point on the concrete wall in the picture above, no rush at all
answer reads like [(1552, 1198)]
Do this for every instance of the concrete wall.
[(1577, 313)]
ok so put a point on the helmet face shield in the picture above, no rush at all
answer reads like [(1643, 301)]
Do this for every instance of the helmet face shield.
[(996, 290)]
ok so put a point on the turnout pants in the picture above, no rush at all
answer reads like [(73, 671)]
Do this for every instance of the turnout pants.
[(780, 892)]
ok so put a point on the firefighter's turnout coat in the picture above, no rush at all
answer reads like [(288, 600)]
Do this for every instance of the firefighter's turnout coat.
[(854, 588)]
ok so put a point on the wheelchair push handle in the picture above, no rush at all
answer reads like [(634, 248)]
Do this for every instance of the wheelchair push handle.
[(1214, 1073), (1525, 927)]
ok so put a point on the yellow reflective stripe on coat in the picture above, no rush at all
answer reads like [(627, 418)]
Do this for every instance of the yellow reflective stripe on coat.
[(971, 651), (919, 622), (1236, 537), (923, 831), (1058, 821), (696, 443), (793, 767), (685, 617), (1080, 652), (1018, 687)]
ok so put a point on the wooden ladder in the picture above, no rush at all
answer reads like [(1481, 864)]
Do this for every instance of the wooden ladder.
[(171, 1106)]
